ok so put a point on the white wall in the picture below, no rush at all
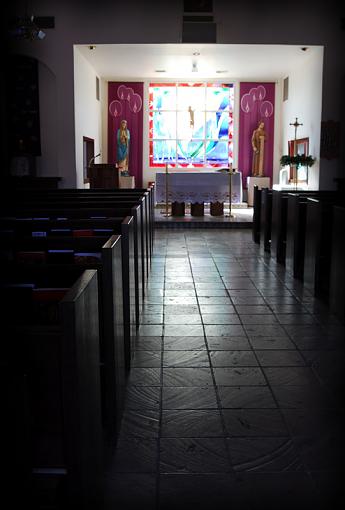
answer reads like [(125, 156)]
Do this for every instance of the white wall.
[(304, 102), (87, 112)]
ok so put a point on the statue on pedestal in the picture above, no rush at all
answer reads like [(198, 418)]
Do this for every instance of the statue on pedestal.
[(123, 138), (258, 143)]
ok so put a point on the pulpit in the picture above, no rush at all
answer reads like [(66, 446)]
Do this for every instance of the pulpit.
[(103, 175)]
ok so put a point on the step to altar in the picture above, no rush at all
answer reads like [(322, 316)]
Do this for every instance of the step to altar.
[(241, 217)]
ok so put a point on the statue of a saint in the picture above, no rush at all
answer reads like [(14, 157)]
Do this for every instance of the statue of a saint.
[(258, 143), (123, 137)]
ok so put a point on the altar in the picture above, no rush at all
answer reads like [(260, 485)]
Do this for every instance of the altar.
[(199, 187)]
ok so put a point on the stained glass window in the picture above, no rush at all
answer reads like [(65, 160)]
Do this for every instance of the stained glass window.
[(191, 124)]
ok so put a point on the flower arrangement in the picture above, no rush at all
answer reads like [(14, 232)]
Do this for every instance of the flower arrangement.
[(298, 160)]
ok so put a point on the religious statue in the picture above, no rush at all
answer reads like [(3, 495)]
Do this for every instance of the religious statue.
[(123, 137), (258, 143), (191, 117)]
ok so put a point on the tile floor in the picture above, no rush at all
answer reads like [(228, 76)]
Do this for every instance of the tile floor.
[(235, 396)]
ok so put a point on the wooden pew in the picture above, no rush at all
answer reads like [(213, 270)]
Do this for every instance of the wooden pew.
[(122, 226), (256, 214), (295, 235), (296, 229), (318, 244), (279, 221), (79, 207), (105, 255), (265, 220), (94, 216), (101, 194), (112, 328), (54, 401), (106, 195), (337, 276), (125, 320), (280, 218), (278, 225)]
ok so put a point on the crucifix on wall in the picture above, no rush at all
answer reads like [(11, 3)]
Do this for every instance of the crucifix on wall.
[(296, 125), (298, 147)]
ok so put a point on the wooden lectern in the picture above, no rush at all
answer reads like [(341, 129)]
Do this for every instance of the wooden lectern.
[(103, 175)]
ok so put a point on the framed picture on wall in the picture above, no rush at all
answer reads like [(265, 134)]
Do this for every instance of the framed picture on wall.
[(299, 147)]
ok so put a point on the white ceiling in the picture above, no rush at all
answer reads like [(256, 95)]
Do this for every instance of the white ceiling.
[(239, 61)]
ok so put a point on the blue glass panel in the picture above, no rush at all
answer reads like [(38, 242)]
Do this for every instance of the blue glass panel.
[(217, 152), (164, 125), (164, 151), (212, 115), (190, 151), (217, 98), (217, 125), (164, 98), (185, 130)]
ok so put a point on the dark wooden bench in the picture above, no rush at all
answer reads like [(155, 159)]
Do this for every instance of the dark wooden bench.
[(296, 229), (280, 218), (337, 276), (106, 257), (295, 235), (318, 244), (88, 219), (52, 370), (265, 220), (101, 194), (278, 225), (256, 214), (80, 207), (118, 225)]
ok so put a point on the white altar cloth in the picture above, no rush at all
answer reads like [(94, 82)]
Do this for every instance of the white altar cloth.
[(195, 186)]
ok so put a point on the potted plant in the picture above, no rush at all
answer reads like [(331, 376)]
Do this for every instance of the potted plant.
[(297, 161)]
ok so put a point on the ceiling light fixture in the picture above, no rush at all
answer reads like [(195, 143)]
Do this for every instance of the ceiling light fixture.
[(194, 62)]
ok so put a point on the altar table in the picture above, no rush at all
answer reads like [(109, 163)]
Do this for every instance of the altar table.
[(199, 187)]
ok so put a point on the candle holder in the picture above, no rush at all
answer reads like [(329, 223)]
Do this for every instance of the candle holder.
[(229, 171), (166, 212)]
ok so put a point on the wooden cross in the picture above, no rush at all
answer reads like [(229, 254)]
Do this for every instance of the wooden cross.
[(296, 124)]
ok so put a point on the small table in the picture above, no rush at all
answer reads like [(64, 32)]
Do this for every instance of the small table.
[(126, 181), (261, 182)]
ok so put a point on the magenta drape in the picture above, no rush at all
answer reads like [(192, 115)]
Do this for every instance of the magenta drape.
[(125, 101), (256, 104)]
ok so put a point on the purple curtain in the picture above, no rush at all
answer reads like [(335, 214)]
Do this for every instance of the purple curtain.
[(125, 101), (256, 104)]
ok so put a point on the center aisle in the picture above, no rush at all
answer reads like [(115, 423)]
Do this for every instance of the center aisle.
[(236, 389)]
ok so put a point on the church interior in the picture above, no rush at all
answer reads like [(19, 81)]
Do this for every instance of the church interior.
[(172, 250)]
